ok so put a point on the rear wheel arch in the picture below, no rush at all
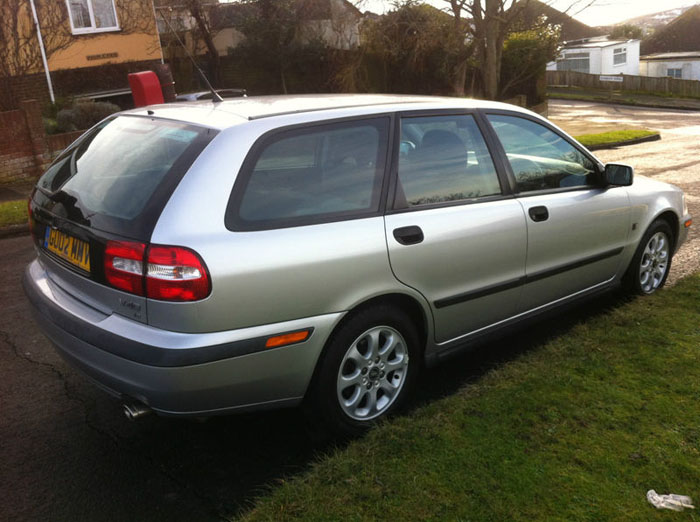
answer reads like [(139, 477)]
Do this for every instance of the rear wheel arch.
[(403, 303)]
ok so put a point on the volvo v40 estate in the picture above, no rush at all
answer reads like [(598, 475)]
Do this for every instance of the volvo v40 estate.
[(206, 258)]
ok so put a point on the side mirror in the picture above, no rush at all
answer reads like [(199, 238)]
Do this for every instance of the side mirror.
[(617, 174)]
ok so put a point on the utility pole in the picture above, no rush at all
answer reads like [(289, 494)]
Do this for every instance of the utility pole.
[(43, 51)]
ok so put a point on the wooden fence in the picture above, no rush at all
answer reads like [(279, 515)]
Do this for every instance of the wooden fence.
[(666, 85)]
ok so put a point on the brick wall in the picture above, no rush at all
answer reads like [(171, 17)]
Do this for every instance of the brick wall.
[(16, 152), (58, 142), (25, 150), (28, 87)]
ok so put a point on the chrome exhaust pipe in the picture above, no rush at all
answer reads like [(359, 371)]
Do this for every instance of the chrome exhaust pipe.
[(135, 410)]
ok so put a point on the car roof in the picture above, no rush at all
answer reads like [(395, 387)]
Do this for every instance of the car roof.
[(234, 111)]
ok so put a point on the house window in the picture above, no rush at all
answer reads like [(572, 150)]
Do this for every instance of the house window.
[(92, 16), (674, 73), (620, 56), (580, 62)]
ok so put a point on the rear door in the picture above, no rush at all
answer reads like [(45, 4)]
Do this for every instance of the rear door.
[(454, 232), (576, 227)]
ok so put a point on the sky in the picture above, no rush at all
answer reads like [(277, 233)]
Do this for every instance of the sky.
[(602, 12)]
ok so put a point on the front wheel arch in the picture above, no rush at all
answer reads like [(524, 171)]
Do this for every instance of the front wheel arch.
[(632, 279), (672, 219)]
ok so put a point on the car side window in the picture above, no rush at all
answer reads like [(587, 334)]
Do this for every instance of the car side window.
[(540, 158), (313, 174), (443, 159)]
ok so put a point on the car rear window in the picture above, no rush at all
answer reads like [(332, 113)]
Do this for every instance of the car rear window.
[(310, 175), (118, 176)]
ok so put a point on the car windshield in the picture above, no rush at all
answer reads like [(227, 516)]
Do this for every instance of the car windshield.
[(113, 174)]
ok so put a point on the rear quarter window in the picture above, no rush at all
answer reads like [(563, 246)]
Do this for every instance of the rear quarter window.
[(308, 175)]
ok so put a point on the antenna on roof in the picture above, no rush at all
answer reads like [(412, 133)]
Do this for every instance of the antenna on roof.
[(216, 97)]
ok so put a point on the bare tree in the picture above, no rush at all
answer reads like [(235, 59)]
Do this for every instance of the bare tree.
[(199, 12), (489, 22), (19, 45), (272, 29), (461, 30)]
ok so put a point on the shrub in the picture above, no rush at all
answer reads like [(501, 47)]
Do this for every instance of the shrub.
[(64, 121), (50, 126), (51, 109), (84, 115)]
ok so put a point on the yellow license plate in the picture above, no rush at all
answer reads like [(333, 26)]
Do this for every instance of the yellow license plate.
[(73, 250)]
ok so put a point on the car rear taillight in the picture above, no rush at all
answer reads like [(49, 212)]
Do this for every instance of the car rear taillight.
[(124, 265), (175, 274), (160, 272)]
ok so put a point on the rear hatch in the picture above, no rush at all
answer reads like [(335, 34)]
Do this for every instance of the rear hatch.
[(109, 188)]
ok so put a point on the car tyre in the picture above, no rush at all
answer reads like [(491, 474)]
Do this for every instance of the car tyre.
[(651, 263), (366, 373)]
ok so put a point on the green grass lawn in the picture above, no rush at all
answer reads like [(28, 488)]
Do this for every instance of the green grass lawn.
[(13, 212), (606, 138), (576, 429)]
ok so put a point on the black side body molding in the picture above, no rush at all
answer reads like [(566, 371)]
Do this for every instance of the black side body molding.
[(514, 283)]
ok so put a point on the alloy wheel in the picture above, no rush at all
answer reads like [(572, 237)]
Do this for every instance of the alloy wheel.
[(372, 373), (654, 263)]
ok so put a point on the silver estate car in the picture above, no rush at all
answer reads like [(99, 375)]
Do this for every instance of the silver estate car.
[(208, 258)]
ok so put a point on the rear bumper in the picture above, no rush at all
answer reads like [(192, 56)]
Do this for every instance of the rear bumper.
[(177, 373)]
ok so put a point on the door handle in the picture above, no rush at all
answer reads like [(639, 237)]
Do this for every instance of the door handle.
[(538, 213), (409, 235)]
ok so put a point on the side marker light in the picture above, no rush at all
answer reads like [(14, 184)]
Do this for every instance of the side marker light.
[(285, 339)]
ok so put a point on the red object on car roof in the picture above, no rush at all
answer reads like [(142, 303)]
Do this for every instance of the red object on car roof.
[(145, 88)]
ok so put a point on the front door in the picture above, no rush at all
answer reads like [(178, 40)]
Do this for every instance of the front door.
[(576, 228)]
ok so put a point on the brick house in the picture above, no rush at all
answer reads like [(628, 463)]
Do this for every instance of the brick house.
[(75, 48)]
